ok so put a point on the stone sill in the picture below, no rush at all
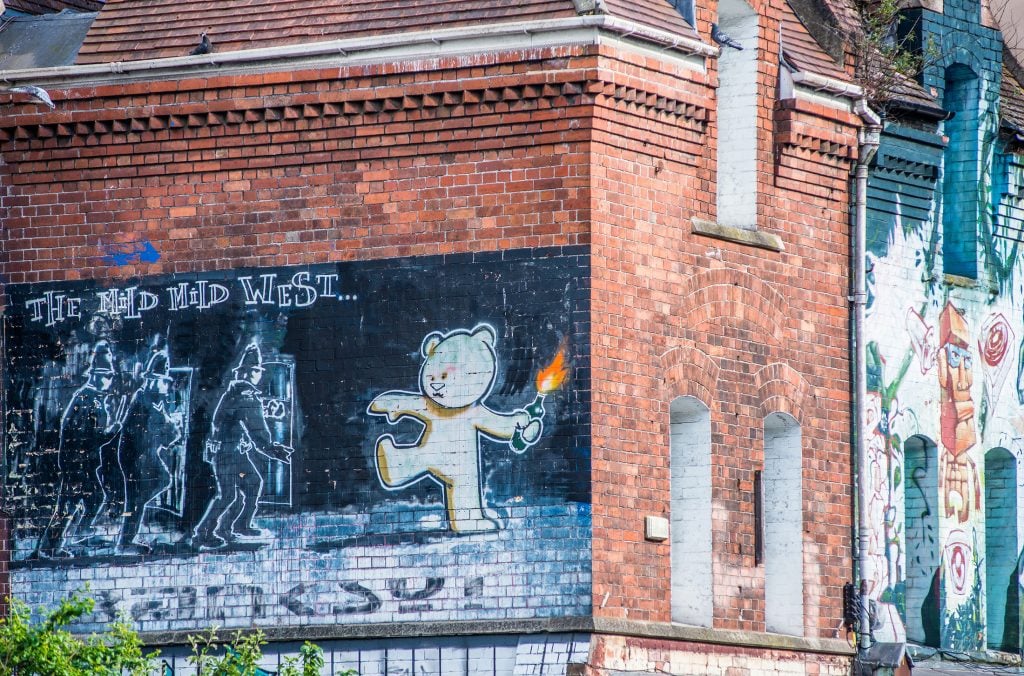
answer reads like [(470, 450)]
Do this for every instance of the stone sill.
[(729, 233), (959, 280), (594, 625), (748, 639)]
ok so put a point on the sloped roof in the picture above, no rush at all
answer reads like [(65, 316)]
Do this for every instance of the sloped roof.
[(1011, 99), (129, 30), (802, 51), (845, 14), (908, 91), (655, 13), (53, 6), (43, 41)]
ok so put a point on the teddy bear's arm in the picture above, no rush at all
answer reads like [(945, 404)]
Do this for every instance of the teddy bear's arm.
[(500, 425), (397, 404)]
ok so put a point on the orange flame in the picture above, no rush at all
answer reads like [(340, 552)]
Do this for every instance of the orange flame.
[(551, 377)]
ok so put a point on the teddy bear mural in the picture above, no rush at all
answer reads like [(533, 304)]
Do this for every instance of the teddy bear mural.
[(456, 377)]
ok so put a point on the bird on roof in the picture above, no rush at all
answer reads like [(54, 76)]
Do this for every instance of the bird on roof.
[(205, 46), (722, 38), (37, 94)]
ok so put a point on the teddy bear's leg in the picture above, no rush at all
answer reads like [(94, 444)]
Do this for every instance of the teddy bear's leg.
[(466, 512), (396, 465)]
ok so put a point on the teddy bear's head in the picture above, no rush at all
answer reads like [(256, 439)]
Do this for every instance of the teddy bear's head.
[(458, 367)]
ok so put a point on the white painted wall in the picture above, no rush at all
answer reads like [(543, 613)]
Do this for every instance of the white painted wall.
[(783, 526), (692, 597), (737, 117)]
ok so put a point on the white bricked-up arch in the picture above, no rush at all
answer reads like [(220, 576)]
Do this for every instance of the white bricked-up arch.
[(921, 550), (737, 116), (783, 525), (690, 435), (1002, 590)]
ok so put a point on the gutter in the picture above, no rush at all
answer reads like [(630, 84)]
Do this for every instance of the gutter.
[(1015, 130), (868, 142), (933, 113), (832, 86), (420, 44)]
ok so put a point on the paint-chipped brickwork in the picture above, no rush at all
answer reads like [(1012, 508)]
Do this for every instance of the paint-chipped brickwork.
[(620, 655)]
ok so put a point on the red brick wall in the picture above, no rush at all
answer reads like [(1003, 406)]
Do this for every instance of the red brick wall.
[(547, 148), (453, 156), (745, 330), (467, 155)]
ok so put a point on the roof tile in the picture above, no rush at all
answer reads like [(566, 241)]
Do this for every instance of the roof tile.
[(654, 13), (802, 50), (1011, 100), (129, 30), (140, 29), (53, 6)]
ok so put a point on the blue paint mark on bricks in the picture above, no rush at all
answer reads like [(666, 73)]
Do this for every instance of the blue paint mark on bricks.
[(132, 252)]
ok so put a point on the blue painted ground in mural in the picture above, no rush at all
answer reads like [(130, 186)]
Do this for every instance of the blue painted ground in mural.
[(394, 577)]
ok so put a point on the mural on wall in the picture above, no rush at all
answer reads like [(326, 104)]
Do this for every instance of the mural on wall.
[(239, 435), (938, 402), (959, 483), (265, 418), (455, 379)]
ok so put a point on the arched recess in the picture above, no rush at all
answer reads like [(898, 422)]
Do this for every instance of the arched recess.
[(921, 536), (692, 588), (783, 525), (1002, 597), (960, 171)]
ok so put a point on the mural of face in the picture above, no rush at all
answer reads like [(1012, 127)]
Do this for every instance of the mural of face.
[(458, 370), (956, 415), (255, 376), (956, 378)]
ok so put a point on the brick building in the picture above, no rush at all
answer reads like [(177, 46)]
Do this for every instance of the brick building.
[(459, 337), (942, 435)]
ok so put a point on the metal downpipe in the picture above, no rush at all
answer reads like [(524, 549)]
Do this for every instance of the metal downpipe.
[(868, 141)]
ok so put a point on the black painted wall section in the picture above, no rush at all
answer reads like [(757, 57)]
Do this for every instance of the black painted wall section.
[(407, 402)]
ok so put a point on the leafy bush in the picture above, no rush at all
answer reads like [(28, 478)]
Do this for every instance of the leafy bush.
[(241, 656), (47, 648)]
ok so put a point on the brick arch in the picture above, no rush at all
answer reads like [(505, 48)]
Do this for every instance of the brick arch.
[(958, 47), (782, 389), (688, 371), (725, 292)]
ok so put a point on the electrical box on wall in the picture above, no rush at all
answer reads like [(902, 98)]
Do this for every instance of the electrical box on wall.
[(656, 528)]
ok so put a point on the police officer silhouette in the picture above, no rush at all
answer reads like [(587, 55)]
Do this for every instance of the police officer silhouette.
[(239, 431), (88, 424), (147, 429)]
